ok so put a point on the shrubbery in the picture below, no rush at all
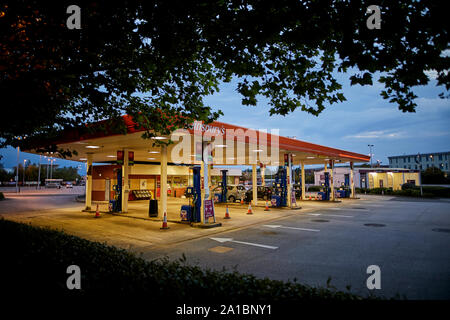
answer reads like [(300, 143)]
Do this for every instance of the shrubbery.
[(2, 196), (409, 190), (36, 259)]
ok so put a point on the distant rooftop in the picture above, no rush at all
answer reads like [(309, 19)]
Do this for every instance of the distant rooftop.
[(422, 154)]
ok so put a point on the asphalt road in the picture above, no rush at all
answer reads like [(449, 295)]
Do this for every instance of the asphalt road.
[(413, 258), (35, 201)]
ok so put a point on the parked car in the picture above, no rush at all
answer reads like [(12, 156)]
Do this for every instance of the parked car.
[(69, 185), (233, 192), (264, 192)]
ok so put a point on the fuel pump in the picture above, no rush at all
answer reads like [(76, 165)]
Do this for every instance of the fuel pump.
[(325, 193), (116, 204), (279, 197), (197, 195), (192, 213), (224, 186), (344, 190)]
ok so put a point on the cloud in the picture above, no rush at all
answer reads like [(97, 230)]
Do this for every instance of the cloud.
[(387, 134)]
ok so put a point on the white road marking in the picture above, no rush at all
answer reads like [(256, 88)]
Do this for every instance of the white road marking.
[(294, 228), (329, 215), (374, 205), (355, 209), (222, 240)]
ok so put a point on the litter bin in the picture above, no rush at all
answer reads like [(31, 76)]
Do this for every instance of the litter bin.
[(153, 208)]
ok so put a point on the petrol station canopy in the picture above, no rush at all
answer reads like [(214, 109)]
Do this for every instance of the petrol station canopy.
[(259, 146)]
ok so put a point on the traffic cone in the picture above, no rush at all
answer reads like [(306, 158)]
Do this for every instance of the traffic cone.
[(227, 214), (164, 225), (267, 207), (249, 211), (242, 200), (97, 213)]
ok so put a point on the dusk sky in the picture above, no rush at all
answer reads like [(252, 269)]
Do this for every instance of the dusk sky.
[(365, 118)]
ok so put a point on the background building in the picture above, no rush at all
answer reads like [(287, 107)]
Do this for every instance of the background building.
[(422, 161), (371, 177)]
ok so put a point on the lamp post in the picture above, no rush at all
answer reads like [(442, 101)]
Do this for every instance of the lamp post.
[(370, 153), (39, 174), (47, 171), (51, 168), (24, 164), (17, 170)]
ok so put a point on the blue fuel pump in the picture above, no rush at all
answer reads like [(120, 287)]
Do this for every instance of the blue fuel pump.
[(224, 186), (279, 197), (326, 187), (192, 213), (116, 204), (344, 191), (197, 197)]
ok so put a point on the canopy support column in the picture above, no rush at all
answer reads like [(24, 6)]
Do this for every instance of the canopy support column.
[(125, 181), (352, 182), (88, 201), (302, 165), (288, 182), (254, 185), (163, 181), (331, 180)]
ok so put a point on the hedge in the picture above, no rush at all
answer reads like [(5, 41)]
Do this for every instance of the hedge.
[(409, 191), (35, 257)]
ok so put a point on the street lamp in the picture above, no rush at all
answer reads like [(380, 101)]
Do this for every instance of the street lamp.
[(370, 150), (24, 164), (47, 171), (17, 169), (39, 173), (51, 168)]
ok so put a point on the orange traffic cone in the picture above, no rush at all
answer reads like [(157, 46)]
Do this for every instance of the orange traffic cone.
[(97, 213), (164, 225), (267, 207), (242, 200), (227, 214), (249, 211)]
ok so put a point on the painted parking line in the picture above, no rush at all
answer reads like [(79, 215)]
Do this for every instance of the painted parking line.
[(222, 240), (353, 209), (274, 226), (329, 215), (374, 205)]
